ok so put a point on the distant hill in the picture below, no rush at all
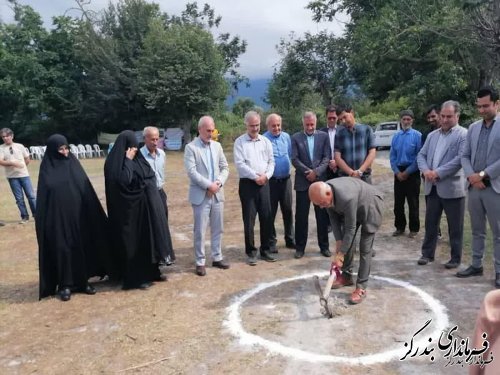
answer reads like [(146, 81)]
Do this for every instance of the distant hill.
[(256, 92)]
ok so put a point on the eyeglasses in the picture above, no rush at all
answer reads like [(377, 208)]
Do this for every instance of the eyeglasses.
[(11, 150)]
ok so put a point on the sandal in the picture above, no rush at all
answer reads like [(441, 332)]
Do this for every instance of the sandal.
[(357, 296)]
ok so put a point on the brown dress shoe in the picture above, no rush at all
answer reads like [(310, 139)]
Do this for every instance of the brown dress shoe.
[(200, 270), (342, 281), (358, 296)]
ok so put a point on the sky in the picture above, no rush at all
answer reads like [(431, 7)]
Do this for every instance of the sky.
[(262, 23)]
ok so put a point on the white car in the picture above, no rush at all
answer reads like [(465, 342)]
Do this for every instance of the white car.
[(384, 133)]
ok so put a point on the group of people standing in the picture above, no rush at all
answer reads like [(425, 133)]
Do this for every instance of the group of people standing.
[(454, 162), (75, 237)]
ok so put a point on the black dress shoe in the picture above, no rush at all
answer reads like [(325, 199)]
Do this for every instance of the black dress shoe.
[(161, 277), (267, 257), (470, 271), (451, 264), (273, 249), (89, 289), (201, 271), (220, 264), (290, 245), (497, 280), (65, 294), (145, 286), (298, 254), (326, 253), (424, 260)]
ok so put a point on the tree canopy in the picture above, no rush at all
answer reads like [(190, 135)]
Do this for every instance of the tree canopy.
[(125, 67)]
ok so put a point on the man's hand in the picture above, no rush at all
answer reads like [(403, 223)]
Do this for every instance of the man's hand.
[(213, 188), (261, 179), (333, 165), (431, 176), (473, 179), (16, 164), (339, 259), (311, 175), (479, 185), (402, 176)]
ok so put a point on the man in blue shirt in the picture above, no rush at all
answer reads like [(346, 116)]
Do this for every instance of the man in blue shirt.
[(404, 150), (156, 159), (280, 184)]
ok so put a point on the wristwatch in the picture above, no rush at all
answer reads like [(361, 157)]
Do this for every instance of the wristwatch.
[(482, 174), (360, 173)]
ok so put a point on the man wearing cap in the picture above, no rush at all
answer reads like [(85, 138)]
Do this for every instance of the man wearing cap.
[(352, 205), (405, 146)]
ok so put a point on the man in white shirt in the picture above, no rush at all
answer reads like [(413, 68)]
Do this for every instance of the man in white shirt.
[(15, 158), (253, 157)]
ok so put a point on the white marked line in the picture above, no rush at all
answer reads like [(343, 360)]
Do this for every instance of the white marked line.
[(234, 324)]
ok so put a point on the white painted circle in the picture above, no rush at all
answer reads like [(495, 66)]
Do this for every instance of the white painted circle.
[(234, 324)]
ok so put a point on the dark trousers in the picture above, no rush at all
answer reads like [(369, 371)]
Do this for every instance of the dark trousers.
[(408, 190), (302, 222), (281, 192), (255, 200), (454, 210)]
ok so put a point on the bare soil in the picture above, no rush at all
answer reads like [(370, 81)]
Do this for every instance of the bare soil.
[(177, 327)]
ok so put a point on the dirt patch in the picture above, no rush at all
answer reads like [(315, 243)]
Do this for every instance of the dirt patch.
[(178, 327)]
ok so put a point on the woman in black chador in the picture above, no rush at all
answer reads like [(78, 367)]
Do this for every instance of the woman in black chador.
[(137, 217), (70, 224)]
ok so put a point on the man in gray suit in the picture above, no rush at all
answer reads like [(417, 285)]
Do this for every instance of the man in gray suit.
[(439, 162), (207, 170), (351, 204), (481, 163), (310, 157)]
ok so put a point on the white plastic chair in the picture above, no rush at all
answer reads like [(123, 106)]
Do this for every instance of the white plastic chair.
[(74, 150), (82, 151), (89, 152), (35, 153), (98, 151)]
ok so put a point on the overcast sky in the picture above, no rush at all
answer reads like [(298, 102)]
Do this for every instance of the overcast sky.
[(260, 22)]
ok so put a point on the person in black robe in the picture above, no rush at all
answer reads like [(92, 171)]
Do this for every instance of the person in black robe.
[(137, 218), (70, 224)]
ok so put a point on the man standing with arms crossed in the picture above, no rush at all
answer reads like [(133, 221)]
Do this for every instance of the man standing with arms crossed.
[(481, 163), (405, 146), (280, 184), (15, 158), (207, 170), (253, 157)]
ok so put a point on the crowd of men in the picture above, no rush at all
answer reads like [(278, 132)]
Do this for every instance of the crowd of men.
[(453, 162)]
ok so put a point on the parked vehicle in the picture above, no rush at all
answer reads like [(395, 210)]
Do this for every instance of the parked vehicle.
[(384, 133)]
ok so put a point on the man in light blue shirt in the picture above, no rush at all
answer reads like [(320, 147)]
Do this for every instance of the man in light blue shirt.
[(280, 184), (403, 156), (156, 159)]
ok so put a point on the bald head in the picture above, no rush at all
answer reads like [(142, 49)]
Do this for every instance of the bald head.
[(320, 193)]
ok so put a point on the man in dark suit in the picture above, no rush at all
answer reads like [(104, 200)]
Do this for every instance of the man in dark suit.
[(310, 156), (352, 205)]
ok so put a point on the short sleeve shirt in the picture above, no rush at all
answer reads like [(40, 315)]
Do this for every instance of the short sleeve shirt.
[(14, 152)]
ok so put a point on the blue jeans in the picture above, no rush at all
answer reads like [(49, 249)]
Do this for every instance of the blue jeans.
[(17, 185)]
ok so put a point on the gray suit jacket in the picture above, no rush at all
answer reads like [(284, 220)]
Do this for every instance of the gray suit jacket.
[(493, 156), (354, 202), (302, 162), (451, 183), (195, 163)]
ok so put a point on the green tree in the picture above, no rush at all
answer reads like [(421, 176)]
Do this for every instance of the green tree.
[(242, 106)]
